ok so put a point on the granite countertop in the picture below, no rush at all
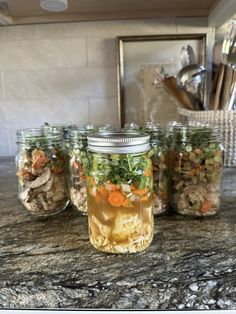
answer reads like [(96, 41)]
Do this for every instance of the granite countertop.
[(49, 263)]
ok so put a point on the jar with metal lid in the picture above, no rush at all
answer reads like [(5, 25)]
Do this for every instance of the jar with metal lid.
[(78, 160), (196, 170), (42, 172), (159, 157), (120, 192)]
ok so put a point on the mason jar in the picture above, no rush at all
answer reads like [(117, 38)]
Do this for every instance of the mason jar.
[(64, 128), (196, 170), (41, 172), (120, 192), (131, 126), (78, 160), (159, 157)]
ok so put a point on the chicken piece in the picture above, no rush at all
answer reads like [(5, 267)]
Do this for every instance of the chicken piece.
[(40, 180), (99, 229), (125, 225)]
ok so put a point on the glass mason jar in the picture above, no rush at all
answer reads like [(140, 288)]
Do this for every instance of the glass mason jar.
[(78, 160), (196, 170), (120, 187), (159, 157), (41, 171), (131, 126), (64, 128)]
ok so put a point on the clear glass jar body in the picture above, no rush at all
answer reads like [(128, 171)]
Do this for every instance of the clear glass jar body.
[(42, 172), (65, 129), (159, 157), (78, 159), (196, 162), (120, 202)]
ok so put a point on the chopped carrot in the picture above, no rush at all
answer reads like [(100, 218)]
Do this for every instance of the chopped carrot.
[(147, 173), (133, 187), (127, 203), (144, 198), (141, 191), (116, 198), (206, 206), (103, 191), (39, 159)]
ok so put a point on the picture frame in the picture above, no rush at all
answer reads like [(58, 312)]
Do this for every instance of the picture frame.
[(140, 98)]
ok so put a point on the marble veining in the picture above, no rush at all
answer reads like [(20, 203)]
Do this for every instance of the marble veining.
[(49, 263)]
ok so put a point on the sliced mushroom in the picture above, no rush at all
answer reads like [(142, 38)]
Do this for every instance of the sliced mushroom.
[(46, 187), (40, 180)]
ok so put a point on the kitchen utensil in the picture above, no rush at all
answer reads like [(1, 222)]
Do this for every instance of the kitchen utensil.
[(191, 79), (180, 95), (187, 56), (232, 54), (228, 42), (226, 87), (216, 101)]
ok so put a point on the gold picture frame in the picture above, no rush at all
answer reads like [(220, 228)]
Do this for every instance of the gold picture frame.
[(139, 52)]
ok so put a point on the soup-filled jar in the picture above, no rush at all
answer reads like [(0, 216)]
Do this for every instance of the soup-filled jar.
[(120, 192), (78, 160), (41, 171), (159, 157), (196, 170)]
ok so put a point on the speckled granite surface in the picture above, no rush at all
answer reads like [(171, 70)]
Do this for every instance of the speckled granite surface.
[(49, 263)]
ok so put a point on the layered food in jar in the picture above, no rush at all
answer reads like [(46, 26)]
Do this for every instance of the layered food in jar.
[(120, 185), (196, 170), (78, 160), (41, 171), (159, 157)]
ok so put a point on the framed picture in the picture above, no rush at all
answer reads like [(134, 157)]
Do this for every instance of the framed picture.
[(141, 60)]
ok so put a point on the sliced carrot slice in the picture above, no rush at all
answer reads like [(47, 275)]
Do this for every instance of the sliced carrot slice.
[(116, 198)]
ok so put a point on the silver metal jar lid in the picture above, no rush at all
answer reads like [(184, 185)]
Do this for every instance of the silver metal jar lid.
[(119, 142)]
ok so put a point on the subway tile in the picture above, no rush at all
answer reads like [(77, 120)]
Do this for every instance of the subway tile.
[(28, 114), (101, 52), (5, 146), (60, 83), (42, 54), (2, 89), (103, 110), (152, 26)]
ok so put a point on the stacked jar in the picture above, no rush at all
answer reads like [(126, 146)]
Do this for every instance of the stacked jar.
[(64, 128), (41, 171), (120, 186), (78, 160), (196, 170), (159, 157)]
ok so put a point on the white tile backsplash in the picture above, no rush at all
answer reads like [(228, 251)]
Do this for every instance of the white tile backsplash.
[(5, 143), (101, 52), (60, 83), (43, 54), (34, 113), (66, 72), (103, 110)]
